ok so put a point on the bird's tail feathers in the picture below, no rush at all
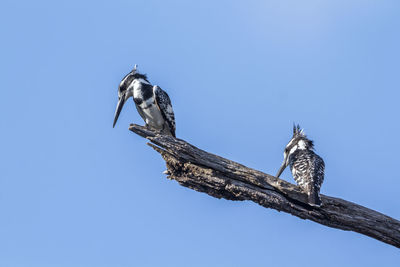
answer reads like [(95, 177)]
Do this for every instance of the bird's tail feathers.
[(314, 199)]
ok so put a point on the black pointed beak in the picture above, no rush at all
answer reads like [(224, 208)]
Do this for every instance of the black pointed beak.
[(120, 104), (281, 169)]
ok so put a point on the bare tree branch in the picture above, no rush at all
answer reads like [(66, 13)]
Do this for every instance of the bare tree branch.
[(222, 178)]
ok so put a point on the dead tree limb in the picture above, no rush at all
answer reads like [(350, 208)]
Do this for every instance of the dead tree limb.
[(222, 178)]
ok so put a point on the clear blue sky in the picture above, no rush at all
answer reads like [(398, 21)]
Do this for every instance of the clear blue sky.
[(76, 192)]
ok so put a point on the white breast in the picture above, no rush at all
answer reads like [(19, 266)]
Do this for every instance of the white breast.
[(153, 116)]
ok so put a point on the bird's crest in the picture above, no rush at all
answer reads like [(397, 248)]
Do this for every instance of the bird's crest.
[(136, 74), (297, 131), (299, 134), (134, 69)]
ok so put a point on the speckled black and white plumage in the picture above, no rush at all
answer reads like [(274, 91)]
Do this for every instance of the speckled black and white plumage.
[(308, 172), (152, 103), (307, 167), (165, 106)]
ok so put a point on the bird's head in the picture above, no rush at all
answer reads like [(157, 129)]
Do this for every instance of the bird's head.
[(125, 90), (299, 141)]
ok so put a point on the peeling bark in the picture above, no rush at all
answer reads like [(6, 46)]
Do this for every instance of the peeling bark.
[(222, 178)]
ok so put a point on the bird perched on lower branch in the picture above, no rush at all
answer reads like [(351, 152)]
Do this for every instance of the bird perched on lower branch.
[(307, 167), (152, 103)]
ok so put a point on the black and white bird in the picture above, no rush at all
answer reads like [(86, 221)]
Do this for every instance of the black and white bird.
[(152, 103), (307, 167)]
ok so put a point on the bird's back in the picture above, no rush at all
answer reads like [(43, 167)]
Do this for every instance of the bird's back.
[(307, 169)]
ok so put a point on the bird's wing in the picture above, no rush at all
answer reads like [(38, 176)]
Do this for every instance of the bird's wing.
[(319, 171), (302, 171), (164, 104)]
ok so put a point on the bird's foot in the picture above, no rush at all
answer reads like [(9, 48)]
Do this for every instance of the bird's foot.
[(168, 173)]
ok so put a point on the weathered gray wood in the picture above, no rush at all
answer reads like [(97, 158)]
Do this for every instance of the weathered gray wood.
[(223, 178)]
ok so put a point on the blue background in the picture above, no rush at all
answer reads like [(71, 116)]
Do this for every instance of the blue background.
[(76, 192)]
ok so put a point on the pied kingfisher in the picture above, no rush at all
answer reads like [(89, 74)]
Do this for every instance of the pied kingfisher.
[(152, 103), (306, 166)]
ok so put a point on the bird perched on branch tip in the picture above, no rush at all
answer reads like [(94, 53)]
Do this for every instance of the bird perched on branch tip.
[(152, 103)]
